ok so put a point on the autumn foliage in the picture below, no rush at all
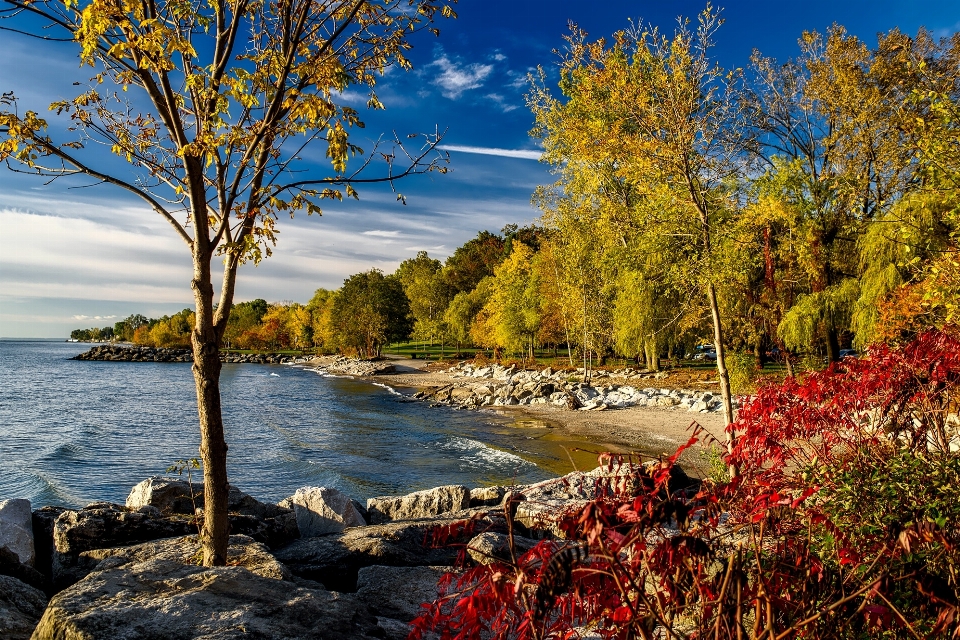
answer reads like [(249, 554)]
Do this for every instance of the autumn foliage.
[(844, 522)]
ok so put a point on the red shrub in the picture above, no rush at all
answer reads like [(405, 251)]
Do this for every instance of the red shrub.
[(844, 522)]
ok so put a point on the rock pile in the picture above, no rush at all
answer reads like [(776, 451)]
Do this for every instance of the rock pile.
[(116, 353), (350, 366), (496, 386), (313, 566)]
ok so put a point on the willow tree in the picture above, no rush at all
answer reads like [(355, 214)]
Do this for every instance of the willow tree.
[(212, 105), (660, 114)]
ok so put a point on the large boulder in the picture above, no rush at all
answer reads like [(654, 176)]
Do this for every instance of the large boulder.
[(20, 608), (138, 595), (398, 592), (243, 551), (178, 496), (545, 503), (16, 529), (10, 565), (335, 560), (421, 504), (323, 510), (104, 524)]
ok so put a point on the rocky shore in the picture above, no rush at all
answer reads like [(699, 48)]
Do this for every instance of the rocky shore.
[(498, 386), (316, 565), (116, 353)]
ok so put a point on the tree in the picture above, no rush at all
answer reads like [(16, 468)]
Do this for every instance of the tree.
[(321, 310), (428, 293), (235, 91), (370, 310), (512, 310), (660, 116), (473, 261)]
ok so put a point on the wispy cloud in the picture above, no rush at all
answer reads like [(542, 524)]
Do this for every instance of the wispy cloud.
[(83, 317), (501, 102), (455, 78), (380, 233), (526, 154)]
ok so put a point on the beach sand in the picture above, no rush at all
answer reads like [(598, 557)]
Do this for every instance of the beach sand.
[(645, 431)]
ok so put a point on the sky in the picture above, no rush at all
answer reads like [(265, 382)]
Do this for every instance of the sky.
[(82, 257)]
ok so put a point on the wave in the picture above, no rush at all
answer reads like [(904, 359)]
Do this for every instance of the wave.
[(274, 375), (387, 387), (477, 454), (65, 451)]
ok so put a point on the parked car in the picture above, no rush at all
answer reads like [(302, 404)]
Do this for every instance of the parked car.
[(705, 355)]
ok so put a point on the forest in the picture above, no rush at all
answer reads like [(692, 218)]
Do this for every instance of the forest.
[(801, 207)]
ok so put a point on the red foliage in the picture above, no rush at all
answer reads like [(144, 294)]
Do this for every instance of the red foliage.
[(817, 537)]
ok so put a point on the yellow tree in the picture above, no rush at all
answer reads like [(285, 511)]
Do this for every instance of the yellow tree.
[(655, 111), (215, 103)]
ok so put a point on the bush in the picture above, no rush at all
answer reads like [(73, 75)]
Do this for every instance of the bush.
[(844, 522)]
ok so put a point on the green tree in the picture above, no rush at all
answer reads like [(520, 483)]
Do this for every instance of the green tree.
[(429, 294), (211, 104), (473, 261), (369, 311)]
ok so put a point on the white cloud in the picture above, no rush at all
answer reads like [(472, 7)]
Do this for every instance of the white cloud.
[(83, 317), (501, 102), (531, 154), (499, 57), (381, 233), (455, 78)]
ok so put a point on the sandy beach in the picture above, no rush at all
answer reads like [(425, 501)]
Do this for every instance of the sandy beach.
[(645, 431)]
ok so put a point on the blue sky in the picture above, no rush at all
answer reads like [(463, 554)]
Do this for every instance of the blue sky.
[(87, 257)]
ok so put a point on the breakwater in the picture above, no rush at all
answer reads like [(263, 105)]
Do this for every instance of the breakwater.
[(116, 353)]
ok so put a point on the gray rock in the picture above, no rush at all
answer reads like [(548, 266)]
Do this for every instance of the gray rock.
[(104, 524), (322, 510), (335, 560), (21, 607), (495, 547), (16, 529), (170, 495), (421, 504), (10, 565), (129, 598), (243, 551), (487, 496), (176, 495), (398, 592)]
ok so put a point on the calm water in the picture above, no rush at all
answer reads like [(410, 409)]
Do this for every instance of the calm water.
[(74, 432)]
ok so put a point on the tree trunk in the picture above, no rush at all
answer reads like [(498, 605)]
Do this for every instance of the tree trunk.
[(722, 373), (833, 342), (213, 446)]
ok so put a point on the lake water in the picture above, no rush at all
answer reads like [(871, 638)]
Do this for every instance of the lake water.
[(74, 432)]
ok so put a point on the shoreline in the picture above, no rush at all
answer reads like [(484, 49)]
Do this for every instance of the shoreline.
[(647, 432)]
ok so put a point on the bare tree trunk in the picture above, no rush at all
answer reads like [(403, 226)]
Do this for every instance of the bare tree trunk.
[(722, 373), (213, 446)]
